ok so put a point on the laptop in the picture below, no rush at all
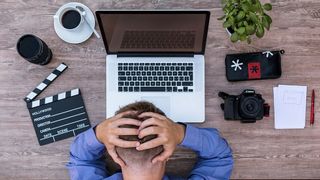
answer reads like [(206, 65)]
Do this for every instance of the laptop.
[(156, 56)]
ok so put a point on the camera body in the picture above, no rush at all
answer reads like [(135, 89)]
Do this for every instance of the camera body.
[(246, 107)]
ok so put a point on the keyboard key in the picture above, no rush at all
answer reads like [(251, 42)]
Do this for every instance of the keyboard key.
[(134, 78), (190, 90), (139, 78), (160, 78), (179, 90), (119, 68), (120, 89), (158, 83), (143, 73), (174, 83), (155, 78), (137, 83), (121, 78), (126, 83), (153, 89), (168, 83), (136, 89), (169, 89), (128, 73), (166, 78), (129, 78), (131, 83), (163, 84), (185, 89), (187, 83), (130, 89), (189, 68), (182, 68), (175, 89), (178, 83), (153, 83), (170, 73), (121, 73), (142, 83), (120, 83), (125, 89), (147, 83)]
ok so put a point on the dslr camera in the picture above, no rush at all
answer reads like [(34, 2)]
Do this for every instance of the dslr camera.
[(246, 107)]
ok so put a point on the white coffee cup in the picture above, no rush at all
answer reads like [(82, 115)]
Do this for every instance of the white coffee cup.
[(60, 15)]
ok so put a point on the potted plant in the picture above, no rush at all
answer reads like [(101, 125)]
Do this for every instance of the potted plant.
[(244, 18)]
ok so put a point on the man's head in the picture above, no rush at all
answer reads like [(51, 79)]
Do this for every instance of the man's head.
[(132, 157)]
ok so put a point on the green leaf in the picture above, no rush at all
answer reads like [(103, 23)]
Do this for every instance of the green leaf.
[(240, 15), (245, 7), (260, 31), (250, 30), (241, 30), (243, 37), (267, 7), (268, 18), (234, 37), (253, 17), (226, 24), (265, 22)]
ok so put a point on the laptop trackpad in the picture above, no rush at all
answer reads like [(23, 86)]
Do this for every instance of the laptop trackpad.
[(162, 102)]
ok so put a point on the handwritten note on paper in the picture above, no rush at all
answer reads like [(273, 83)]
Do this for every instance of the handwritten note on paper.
[(290, 106)]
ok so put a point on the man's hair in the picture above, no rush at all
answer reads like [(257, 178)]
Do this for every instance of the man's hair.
[(131, 156)]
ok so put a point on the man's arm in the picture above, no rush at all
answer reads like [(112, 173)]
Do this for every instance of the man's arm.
[(215, 156), (85, 157)]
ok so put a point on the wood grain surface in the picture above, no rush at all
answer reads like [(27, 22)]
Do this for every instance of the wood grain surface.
[(259, 150)]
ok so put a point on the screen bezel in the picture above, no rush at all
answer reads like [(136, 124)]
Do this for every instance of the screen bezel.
[(205, 34)]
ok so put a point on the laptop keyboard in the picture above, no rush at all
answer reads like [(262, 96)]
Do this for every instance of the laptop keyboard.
[(155, 77), (158, 39)]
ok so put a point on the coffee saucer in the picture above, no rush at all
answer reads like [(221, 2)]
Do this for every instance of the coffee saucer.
[(82, 33)]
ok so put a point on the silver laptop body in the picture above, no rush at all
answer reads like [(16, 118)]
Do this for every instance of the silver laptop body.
[(156, 56)]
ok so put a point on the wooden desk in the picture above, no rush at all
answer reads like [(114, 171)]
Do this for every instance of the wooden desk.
[(259, 150)]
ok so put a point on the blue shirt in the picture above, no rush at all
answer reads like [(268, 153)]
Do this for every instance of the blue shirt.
[(214, 156)]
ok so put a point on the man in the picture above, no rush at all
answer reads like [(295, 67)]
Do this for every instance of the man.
[(140, 138)]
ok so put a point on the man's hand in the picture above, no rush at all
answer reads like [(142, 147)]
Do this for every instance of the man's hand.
[(108, 133), (170, 134)]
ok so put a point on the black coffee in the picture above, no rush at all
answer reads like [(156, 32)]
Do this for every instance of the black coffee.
[(71, 19), (34, 50)]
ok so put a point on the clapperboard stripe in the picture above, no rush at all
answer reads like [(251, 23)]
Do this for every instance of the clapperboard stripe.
[(45, 83), (54, 98)]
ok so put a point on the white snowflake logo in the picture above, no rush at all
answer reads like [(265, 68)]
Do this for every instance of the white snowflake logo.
[(237, 65), (267, 53)]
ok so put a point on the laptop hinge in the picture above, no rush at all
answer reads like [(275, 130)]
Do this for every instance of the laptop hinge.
[(155, 55)]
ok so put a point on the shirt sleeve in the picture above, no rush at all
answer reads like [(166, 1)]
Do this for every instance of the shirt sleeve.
[(86, 157), (214, 154)]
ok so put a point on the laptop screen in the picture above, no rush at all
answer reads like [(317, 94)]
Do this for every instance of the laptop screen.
[(154, 31)]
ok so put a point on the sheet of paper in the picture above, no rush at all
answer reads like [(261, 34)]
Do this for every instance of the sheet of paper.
[(290, 106)]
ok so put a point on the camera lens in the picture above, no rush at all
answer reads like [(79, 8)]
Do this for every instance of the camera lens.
[(250, 107)]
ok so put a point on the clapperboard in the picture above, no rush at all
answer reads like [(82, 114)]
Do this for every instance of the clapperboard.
[(57, 117)]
